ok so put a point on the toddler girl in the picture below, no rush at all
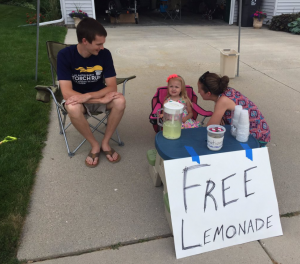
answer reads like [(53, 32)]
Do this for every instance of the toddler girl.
[(177, 93)]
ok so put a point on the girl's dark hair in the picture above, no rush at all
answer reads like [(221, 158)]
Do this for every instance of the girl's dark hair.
[(88, 28), (214, 83)]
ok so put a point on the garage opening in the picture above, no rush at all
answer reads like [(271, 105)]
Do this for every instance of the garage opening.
[(150, 12)]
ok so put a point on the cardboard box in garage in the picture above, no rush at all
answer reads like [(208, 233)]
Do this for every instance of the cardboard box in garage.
[(124, 18)]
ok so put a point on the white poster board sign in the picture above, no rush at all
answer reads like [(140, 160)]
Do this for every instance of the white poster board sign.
[(225, 200)]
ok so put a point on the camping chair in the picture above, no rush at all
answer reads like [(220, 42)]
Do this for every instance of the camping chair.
[(176, 11), (44, 92), (211, 6), (164, 9), (158, 101)]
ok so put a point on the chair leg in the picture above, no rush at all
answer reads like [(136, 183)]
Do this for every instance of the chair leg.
[(64, 123), (71, 154), (202, 122), (121, 143), (93, 130), (59, 116)]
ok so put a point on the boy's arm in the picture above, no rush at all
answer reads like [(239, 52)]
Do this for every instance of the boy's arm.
[(103, 96)]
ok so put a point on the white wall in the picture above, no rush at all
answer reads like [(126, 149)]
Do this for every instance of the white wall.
[(268, 6), (287, 7), (274, 8), (86, 6)]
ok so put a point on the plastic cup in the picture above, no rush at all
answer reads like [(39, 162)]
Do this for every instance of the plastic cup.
[(244, 117), (242, 133), (235, 120), (215, 137)]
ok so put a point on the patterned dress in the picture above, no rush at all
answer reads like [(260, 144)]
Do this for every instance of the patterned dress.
[(190, 123), (258, 125)]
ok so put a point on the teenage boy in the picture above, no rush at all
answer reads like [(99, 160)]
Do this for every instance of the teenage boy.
[(81, 71)]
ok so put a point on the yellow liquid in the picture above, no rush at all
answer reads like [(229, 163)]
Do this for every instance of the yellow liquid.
[(172, 131)]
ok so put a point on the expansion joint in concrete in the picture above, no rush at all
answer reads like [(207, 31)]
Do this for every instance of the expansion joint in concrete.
[(182, 32), (113, 247), (270, 77), (290, 214), (268, 253)]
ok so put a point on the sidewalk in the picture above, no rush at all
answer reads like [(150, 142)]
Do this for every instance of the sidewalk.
[(78, 213)]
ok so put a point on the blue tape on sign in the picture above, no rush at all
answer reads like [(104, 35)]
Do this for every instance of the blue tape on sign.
[(193, 153), (248, 151)]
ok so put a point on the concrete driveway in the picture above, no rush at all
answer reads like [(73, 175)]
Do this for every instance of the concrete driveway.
[(77, 213)]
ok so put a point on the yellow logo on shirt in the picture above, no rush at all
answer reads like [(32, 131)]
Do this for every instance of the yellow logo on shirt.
[(90, 69)]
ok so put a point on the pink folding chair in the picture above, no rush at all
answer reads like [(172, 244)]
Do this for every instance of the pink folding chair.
[(158, 101)]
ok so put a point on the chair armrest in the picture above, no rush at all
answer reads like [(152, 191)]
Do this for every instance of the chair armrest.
[(124, 81), (43, 94), (121, 80)]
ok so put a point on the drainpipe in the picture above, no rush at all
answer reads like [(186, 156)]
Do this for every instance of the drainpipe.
[(55, 21)]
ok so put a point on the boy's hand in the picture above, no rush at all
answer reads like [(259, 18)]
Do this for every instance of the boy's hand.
[(78, 99), (109, 97)]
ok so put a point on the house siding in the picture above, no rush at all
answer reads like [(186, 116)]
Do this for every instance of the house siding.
[(85, 5), (287, 7), (268, 6), (274, 8)]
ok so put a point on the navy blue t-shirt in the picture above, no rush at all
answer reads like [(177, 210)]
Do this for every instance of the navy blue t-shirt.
[(86, 74)]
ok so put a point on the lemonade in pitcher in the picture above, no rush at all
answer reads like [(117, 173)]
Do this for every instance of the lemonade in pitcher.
[(172, 130), (172, 119)]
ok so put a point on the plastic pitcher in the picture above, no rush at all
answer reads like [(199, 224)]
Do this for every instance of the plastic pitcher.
[(172, 119)]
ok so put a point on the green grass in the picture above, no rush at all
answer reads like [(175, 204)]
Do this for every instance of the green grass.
[(22, 117)]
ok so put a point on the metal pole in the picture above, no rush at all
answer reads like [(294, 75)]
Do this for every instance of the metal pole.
[(180, 10), (239, 41), (37, 37)]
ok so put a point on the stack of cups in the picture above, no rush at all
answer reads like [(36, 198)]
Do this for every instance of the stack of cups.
[(242, 133), (235, 120)]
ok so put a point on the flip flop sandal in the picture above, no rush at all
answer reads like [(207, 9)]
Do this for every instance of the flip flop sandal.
[(93, 156), (111, 152)]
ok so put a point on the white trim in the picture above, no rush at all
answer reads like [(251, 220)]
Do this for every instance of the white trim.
[(231, 15), (93, 9), (275, 7), (65, 11), (58, 20)]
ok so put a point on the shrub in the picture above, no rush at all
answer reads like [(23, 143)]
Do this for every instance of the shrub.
[(19, 3), (280, 23), (51, 9), (295, 26), (32, 19)]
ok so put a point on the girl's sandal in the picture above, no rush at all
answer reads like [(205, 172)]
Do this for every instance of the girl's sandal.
[(111, 152)]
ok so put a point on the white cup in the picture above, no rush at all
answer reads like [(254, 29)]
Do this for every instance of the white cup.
[(242, 133), (215, 137), (244, 117), (235, 119)]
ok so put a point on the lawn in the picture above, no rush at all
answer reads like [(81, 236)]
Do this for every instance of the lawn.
[(22, 117)]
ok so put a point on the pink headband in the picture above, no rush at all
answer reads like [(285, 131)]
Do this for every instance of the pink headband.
[(172, 76)]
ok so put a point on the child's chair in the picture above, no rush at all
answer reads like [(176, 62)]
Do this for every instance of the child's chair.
[(158, 101)]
